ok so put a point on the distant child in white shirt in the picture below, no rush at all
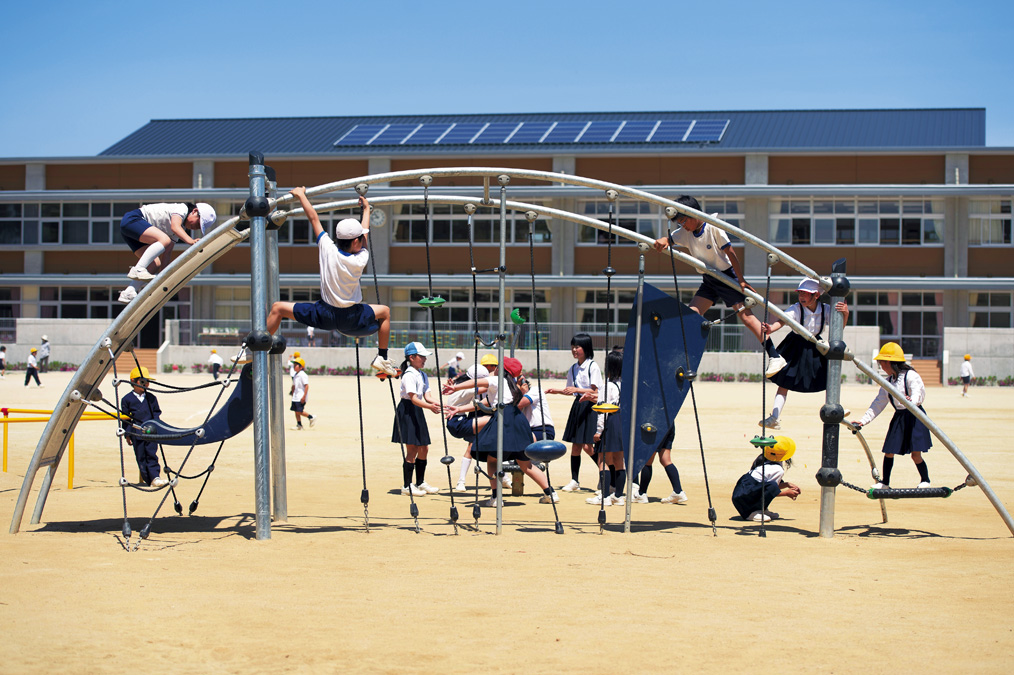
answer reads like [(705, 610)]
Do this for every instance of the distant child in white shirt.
[(966, 374)]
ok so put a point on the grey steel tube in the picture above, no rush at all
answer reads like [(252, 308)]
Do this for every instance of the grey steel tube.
[(637, 374), (504, 180), (831, 414), (259, 316)]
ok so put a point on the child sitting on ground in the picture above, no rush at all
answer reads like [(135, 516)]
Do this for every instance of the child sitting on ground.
[(341, 306), (759, 486)]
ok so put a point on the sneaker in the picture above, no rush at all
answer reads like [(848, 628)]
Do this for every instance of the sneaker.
[(488, 503), (676, 498), (547, 499), (759, 517), (461, 487), (507, 481), (427, 488), (416, 492), (126, 295), (572, 486), (298, 427), (771, 514), (770, 422), (595, 501), (880, 486), (138, 273), (617, 501), (383, 365), (924, 484), (638, 498), (312, 420), (774, 365), (159, 482)]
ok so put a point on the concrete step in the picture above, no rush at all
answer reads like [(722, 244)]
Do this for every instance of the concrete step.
[(929, 370)]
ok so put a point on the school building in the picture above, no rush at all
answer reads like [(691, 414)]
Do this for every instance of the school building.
[(914, 200)]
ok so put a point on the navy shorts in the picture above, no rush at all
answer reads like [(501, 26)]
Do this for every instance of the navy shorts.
[(355, 321), (297, 406), (714, 290), (550, 433), (462, 426), (966, 379), (132, 227)]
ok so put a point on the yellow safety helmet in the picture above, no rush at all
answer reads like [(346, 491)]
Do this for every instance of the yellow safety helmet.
[(783, 448), (489, 360), (141, 372), (968, 357), (35, 350), (295, 355), (301, 362), (891, 351), (214, 351)]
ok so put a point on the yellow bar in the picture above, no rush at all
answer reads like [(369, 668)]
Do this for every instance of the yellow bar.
[(84, 418), (5, 443), (70, 464)]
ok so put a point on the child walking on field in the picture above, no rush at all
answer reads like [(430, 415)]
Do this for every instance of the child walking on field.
[(410, 419), (758, 487), (966, 374), (906, 434), (341, 306), (299, 390)]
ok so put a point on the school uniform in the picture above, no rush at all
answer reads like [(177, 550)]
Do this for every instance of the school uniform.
[(216, 364), (806, 369), (300, 381), (906, 433), (135, 222), (410, 418), (709, 245), (142, 408), (582, 420), (31, 370), (538, 416), (517, 434), (966, 372), (757, 485), (341, 306), (610, 437)]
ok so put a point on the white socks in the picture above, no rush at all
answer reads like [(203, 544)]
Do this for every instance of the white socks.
[(465, 463), (779, 404), (153, 251)]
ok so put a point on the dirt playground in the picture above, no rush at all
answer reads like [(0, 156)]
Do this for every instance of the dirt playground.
[(930, 590)]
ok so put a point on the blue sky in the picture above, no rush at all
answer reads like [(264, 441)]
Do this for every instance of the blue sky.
[(77, 77)]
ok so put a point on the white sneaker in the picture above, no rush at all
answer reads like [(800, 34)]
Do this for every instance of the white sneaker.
[(774, 365), (416, 492), (759, 517), (880, 486), (595, 501), (924, 484), (126, 295), (771, 514), (676, 498), (638, 498), (427, 488), (298, 427), (384, 366), (138, 273), (770, 422), (617, 501), (572, 486), (159, 482), (546, 499), (461, 487), (507, 482), (312, 420)]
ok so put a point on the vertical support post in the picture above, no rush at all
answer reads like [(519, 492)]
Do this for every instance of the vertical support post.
[(831, 413), (636, 380), (70, 463), (504, 180), (5, 439), (276, 386), (256, 208)]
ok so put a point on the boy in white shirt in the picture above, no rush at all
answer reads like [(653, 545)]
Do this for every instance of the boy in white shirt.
[(341, 306), (300, 388)]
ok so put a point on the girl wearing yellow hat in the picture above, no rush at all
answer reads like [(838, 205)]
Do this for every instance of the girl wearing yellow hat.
[(758, 487), (966, 374), (906, 435)]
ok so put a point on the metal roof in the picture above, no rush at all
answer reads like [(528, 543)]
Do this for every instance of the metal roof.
[(747, 131)]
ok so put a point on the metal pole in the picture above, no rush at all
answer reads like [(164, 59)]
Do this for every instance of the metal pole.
[(276, 386), (503, 180), (831, 414), (257, 204), (636, 380)]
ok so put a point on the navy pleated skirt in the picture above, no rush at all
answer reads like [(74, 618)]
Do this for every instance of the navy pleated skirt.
[(412, 421), (581, 423), (807, 368), (907, 434)]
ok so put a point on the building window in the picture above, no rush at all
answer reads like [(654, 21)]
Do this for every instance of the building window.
[(68, 224), (848, 222), (450, 226), (914, 319), (649, 219), (989, 310), (232, 303), (989, 222)]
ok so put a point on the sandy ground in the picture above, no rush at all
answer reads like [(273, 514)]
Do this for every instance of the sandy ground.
[(932, 589)]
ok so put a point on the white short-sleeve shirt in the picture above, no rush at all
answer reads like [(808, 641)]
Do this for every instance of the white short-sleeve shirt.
[(707, 245), (299, 383), (538, 411), (160, 215), (413, 382), (811, 321), (585, 375), (339, 273)]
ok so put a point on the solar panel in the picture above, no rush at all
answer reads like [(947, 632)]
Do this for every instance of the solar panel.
[(635, 131), (671, 131), (428, 133), (360, 134), (393, 134), (461, 132), (530, 132), (495, 132), (599, 132), (707, 131), (565, 132)]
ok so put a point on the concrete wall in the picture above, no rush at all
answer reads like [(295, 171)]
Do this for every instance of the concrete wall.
[(70, 340), (992, 351)]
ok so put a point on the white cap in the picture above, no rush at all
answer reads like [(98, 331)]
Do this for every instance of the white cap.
[(416, 348), (349, 228), (808, 285), (471, 372), (208, 216), (459, 356), (45, 338)]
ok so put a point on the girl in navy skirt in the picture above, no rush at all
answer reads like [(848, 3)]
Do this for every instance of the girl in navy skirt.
[(584, 377), (758, 487), (806, 369), (609, 444), (410, 419), (906, 435)]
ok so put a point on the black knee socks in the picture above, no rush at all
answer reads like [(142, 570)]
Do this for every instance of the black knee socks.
[(642, 485), (420, 471), (604, 482), (923, 471), (575, 466), (674, 477), (769, 347), (620, 482), (406, 472), (888, 465)]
